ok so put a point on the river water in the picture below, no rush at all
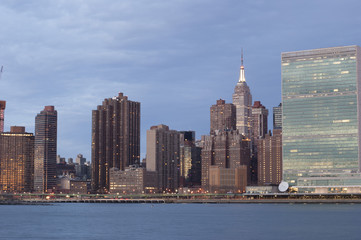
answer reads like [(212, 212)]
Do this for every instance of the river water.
[(180, 221)]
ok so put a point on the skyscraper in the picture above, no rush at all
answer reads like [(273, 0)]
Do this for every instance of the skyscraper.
[(225, 149), (269, 157), (277, 117), (16, 160), (81, 169), (163, 155), (2, 115), (223, 116), (190, 160), (45, 150), (115, 138), (80, 159), (259, 120), (259, 128), (321, 118), (242, 99)]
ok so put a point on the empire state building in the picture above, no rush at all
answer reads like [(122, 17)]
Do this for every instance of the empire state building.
[(242, 99)]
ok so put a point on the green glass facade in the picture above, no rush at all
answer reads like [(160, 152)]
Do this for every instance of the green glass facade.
[(320, 117)]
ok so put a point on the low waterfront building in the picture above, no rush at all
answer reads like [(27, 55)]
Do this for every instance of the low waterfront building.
[(66, 184), (262, 189), (133, 180), (222, 180), (79, 186)]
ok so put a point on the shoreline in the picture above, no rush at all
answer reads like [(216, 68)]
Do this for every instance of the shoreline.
[(185, 201)]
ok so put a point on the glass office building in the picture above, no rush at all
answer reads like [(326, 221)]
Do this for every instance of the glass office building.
[(321, 117)]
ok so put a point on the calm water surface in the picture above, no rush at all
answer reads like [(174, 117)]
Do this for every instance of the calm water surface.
[(181, 221)]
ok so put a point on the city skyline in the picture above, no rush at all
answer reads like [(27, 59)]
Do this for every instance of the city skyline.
[(89, 52)]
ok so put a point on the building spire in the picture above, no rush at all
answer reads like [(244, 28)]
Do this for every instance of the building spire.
[(241, 73), (242, 57)]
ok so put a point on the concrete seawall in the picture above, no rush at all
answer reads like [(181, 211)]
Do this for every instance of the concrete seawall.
[(190, 201)]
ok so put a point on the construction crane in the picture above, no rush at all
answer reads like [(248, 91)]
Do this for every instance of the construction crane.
[(2, 108)]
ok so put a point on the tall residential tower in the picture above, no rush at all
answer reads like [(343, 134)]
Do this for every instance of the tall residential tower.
[(163, 156), (115, 138), (16, 160), (223, 116), (259, 120), (45, 150)]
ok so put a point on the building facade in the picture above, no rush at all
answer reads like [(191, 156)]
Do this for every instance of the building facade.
[(82, 168), (224, 180), (129, 181), (69, 185), (269, 156), (190, 160), (115, 138), (242, 99), (259, 120), (163, 156), (225, 149), (16, 160), (45, 150), (259, 128), (223, 116), (277, 117), (321, 118), (80, 159)]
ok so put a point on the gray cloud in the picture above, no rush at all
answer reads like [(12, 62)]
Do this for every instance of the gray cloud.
[(175, 57)]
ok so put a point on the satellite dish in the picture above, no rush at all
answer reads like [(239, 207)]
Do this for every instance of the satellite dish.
[(283, 186)]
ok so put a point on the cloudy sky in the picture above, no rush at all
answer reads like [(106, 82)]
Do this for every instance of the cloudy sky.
[(176, 57)]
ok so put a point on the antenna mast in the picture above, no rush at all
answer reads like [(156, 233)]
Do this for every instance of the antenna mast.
[(241, 57), (2, 108)]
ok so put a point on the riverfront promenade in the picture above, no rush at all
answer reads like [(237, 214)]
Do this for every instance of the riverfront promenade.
[(279, 198)]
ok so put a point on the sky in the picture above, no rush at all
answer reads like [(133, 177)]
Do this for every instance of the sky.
[(176, 57)]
